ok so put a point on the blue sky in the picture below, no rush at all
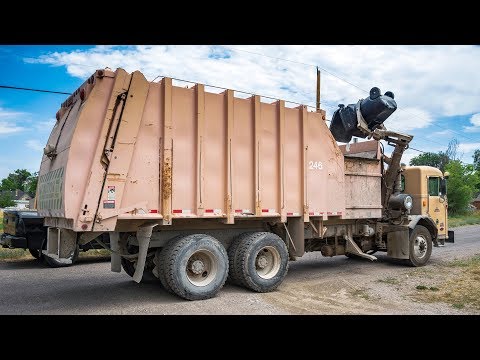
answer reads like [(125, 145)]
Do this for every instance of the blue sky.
[(437, 88)]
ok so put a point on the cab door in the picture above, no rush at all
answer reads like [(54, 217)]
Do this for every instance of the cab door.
[(437, 206)]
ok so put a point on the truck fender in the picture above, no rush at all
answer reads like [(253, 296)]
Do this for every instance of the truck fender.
[(426, 221)]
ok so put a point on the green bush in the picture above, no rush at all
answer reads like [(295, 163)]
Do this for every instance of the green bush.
[(461, 186)]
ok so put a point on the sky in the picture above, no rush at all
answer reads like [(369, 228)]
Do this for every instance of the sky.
[(437, 88)]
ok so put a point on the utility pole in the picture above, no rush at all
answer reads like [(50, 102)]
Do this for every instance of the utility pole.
[(318, 89)]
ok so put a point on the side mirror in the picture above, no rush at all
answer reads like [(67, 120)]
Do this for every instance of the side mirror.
[(443, 187)]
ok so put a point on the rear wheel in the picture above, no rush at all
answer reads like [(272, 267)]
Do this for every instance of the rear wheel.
[(420, 246), (160, 262), (261, 261), (233, 276), (196, 266)]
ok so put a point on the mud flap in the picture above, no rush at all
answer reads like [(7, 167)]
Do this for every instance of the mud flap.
[(143, 237), (296, 244), (61, 244), (451, 236), (398, 244), (116, 264), (353, 248)]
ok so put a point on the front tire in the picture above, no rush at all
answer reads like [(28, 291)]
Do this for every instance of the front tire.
[(420, 246), (196, 266), (261, 261)]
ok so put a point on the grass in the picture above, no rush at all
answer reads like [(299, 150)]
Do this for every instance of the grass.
[(466, 263), (361, 293), (389, 280), (461, 290), (94, 253), (464, 219), (9, 254)]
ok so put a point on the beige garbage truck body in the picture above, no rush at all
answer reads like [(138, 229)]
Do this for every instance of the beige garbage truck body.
[(195, 186)]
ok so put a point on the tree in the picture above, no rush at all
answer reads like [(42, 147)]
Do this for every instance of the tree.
[(6, 200), (476, 160), (31, 184), (461, 185), (16, 180), (438, 160)]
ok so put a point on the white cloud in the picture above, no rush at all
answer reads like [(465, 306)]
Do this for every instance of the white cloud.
[(429, 82), (8, 121), (426, 78), (408, 155), (408, 119), (8, 128), (9, 114), (446, 132), (475, 119), (45, 126), (34, 144), (468, 147)]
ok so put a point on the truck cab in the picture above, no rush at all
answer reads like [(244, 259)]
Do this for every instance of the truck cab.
[(428, 188)]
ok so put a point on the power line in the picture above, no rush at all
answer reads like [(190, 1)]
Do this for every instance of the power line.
[(265, 96), (243, 92), (423, 152), (346, 81), (37, 90), (213, 86), (65, 93)]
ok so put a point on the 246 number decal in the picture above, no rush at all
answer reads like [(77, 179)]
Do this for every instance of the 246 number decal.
[(315, 165)]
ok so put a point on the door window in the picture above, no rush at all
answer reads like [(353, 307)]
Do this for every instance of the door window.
[(433, 186)]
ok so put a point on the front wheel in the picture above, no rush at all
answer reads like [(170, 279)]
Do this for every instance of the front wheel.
[(420, 246)]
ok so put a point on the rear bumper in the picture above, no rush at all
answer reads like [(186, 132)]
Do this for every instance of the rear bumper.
[(13, 241)]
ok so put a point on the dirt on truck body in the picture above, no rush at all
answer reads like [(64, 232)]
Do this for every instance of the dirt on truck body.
[(195, 187)]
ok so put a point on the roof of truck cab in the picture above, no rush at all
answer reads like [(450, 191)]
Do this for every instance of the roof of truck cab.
[(427, 170)]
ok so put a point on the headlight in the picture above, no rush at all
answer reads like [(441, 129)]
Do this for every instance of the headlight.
[(400, 202), (408, 202)]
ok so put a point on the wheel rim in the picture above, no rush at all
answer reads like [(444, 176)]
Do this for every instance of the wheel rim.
[(201, 268), (267, 262), (420, 247)]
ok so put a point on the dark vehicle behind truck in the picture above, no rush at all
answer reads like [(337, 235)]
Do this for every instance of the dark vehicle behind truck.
[(24, 229)]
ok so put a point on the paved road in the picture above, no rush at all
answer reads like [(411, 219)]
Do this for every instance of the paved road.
[(314, 285)]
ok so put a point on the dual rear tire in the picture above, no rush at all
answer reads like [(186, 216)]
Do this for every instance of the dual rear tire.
[(196, 267), (258, 261)]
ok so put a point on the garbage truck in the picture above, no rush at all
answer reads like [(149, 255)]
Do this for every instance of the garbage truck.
[(197, 187)]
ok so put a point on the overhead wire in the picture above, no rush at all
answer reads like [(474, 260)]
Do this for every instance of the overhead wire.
[(240, 91), (36, 90), (346, 81)]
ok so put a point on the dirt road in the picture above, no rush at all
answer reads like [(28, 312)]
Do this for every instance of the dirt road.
[(314, 285)]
